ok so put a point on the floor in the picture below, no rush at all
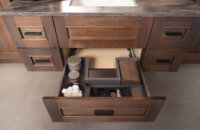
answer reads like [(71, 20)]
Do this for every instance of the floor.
[(21, 106)]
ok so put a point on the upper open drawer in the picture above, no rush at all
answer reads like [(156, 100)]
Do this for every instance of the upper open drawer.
[(102, 32), (135, 103)]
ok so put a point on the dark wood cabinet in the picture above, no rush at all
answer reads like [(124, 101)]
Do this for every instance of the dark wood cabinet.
[(162, 59), (32, 32), (172, 33), (42, 59), (102, 32)]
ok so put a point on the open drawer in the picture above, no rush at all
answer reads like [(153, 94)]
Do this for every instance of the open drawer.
[(136, 104)]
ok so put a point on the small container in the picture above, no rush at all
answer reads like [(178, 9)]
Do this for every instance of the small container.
[(74, 63), (73, 76)]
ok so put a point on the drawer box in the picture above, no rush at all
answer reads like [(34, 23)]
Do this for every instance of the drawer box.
[(32, 32), (172, 33), (162, 59), (137, 106), (102, 32), (42, 59)]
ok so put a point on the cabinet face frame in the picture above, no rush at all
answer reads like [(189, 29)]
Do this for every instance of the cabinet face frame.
[(180, 31), (65, 26), (43, 24)]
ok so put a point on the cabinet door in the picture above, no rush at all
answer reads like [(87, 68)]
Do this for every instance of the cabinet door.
[(172, 33), (6, 43), (8, 51), (102, 32)]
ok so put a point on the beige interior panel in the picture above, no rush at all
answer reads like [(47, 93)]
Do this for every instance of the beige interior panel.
[(104, 58)]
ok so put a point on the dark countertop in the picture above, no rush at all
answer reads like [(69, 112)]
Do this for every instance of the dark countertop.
[(144, 8)]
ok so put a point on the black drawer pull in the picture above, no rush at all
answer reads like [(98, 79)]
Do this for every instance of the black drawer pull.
[(103, 112), (174, 34), (33, 33), (42, 61), (163, 61)]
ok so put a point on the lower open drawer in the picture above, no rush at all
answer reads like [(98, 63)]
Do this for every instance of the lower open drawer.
[(136, 105)]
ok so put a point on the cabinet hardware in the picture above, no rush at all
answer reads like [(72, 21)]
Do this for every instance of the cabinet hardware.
[(103, 112), (33, 33), (174, 34), (163, 61)]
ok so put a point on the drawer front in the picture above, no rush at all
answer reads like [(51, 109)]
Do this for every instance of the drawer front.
[(42, 59), (162, 59), (172, 33), (82, 32), (103, 109), (98, 33), (32, 32)]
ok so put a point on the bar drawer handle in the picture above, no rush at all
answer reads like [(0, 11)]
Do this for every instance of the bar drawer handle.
[(42, 61), (174, 34), (103, 112), (33, 33), (163, 61)]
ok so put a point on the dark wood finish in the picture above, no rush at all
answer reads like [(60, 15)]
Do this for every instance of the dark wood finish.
[(106, 32), (162, 59), (129, 72), (172, 33), (8, 51), (116, 111), (101, 33), (191, 58), (118, 105), (42, 59), (53, 110), (20, 24)]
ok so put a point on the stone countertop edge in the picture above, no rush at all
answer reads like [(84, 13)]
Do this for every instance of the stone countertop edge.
[(144, 8)]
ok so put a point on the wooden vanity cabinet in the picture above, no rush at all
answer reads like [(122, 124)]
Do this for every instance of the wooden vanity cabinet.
[(36, 41), (172, 33), (102, 32)]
